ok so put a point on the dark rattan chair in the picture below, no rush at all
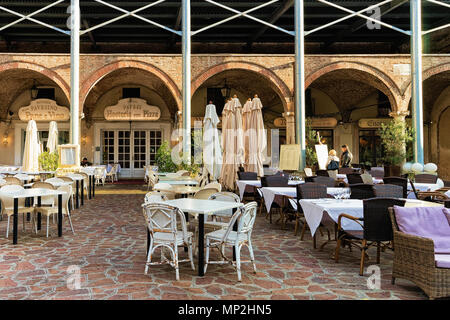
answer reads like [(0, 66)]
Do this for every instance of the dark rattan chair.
[(307, 191), (346, 170), (353, 178), (425, 178), (310, 179), (247, 175), (388, 191), (278, 203), (398, 181), (323, 173), (327, 181), (376, 229), (361, 191)]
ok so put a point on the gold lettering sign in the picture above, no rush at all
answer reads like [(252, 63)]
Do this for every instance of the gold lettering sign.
[(376, 122), (313, 122), (132, 109), (44, 110)]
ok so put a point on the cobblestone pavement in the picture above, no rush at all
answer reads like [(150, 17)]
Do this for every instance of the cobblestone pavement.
[(109, 248)]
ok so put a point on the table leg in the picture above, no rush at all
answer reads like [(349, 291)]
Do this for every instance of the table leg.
[(39, 215), (15, 219), (77, 198), (235, 228), (201, 245), (60, 216), (90, 187), (148, 239), (93, 187), (82, 192)]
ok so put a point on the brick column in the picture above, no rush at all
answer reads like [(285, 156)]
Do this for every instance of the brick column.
[(290, 127)]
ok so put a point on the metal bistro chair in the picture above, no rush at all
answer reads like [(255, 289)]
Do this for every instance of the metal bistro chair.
[(398, 181), (388, 191), (377, 228), (164, 232), (361, 191), (221, 238)]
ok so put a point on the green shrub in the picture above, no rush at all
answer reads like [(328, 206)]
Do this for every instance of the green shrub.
[(395, 137), (164, 158), (49, 161)]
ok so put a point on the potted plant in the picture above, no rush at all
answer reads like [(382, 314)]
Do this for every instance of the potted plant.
[(48, 161), (311, 141), (164, 159), (395, 136)]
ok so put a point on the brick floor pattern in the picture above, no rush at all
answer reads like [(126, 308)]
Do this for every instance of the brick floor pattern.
[(109, 248)]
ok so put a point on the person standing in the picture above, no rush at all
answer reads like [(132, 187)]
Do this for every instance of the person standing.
[(346, 157), (333, 160)]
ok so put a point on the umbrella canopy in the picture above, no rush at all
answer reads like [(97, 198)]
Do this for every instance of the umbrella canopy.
[(246, 110), (212, 153), (228, 173), (257, 138), (52, 141), (236, 105), (31, 150)]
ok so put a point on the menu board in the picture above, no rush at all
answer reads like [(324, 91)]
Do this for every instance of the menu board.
[(322, 155), (290, 157), (69, 155)]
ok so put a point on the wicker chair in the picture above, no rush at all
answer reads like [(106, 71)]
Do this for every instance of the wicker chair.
[(361, 191), (327, 181), (13, 181), (414, 260), (278, 203), (308, 191), (346, 170), (398, 181), (377, 172), (425, 178), (247, 175), (376, 230), (354, 178), (213, 185), (388, 191), (323, 173)]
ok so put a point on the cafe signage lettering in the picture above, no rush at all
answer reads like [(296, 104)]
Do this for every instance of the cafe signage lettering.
[(376, 122), (313, 122), (44, 110), (132, 109)]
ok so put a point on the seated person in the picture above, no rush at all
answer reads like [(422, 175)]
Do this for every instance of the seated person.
[(85, 162)]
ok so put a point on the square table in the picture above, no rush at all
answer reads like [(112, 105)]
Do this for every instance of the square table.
[(181, 182), (242, 184), (31, 193), (199, 208)]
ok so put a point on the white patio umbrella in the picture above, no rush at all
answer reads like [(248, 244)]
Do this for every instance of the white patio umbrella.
[(246, 110), (52, 141), (31, 150), (257, 138), (212, 152), (240, 152)]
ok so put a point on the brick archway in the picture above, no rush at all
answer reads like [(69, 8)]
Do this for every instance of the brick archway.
[(52, 75), (376, 78), (99, 74), (276, 83)]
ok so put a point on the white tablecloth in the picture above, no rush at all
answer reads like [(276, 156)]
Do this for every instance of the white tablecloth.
[(269, 194), (256, 183), (91, 170)]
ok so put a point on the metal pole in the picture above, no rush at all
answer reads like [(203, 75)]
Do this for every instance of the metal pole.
[(75, 72), (300, 81), (416, 78), (186, 51)]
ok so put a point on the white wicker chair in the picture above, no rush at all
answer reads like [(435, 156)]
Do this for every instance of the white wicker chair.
[(99, 176), (153, 196), (162, 225), (8, 205), (112, 174), (219, 239), (215, 185), (166, 187)]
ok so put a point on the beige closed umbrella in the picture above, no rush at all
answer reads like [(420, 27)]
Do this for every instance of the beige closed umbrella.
[(52, 141), (31, 151), (239, 152), (228, 172), (246, 110), (257, 138)]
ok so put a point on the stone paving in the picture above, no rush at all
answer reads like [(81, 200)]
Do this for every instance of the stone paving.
[(109, 248)]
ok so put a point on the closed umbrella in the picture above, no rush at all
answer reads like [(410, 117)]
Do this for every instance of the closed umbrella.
[(246, 110), (236, 105), (229, 168), (257, 138), (52, 141), (31, 150), (212, 153)]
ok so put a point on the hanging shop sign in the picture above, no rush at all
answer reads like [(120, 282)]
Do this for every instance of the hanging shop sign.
[(313, 122), (132, 109), (44, 110), (375, 123)]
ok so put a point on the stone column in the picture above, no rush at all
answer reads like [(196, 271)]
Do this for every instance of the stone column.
[(290, 127)]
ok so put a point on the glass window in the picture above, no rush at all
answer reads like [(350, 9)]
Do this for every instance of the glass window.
[(370, 149)]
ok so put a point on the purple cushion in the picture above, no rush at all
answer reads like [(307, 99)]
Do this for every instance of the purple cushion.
[(447, 215), (442, 260), (425, 222)]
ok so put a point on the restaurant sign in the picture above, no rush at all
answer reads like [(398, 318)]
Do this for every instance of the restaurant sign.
[(134, 109), (44, 110), (313, 122), (376, 122)]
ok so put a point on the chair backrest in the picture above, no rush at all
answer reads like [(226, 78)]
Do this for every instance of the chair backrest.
[(66, 179), (247, 175), (398, 181), (353, 178), (377, 224), (181, 172), (2, 182), (213, 185), (152, 181), (345, 170), (310, 191), (13, 181), (276, 181), (322, 173), (86, 178), (163, 185), (425, 178), (162, 218), (154, 196), (361, 191), (185, 174), (47, 200), (98, 172), (327, 181), (8, 202), (367, 178), (245, 218), (377, 172), (54, 180), (225, 196), (172, 175), (308, 172), (204, 194), (310, 179), (388, 191), (65, 197), (203, 180), (241, 169)]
